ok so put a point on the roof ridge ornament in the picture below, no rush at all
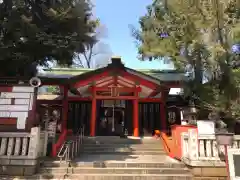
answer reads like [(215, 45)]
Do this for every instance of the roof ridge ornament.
[(116, 62)]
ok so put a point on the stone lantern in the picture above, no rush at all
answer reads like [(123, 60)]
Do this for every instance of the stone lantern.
[(191, 114)]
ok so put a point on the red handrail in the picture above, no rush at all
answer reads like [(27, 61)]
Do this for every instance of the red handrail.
[(167, 144), (59, 143)]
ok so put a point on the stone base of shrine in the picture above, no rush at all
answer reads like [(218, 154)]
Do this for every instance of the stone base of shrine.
[(18, 167), (206, 173)]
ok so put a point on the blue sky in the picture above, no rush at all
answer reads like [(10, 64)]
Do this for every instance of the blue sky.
[(116, 16)]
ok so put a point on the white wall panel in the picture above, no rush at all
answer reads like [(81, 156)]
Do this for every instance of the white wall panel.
[(5, 114), (15, 95), (23, 89), (22, 101), (5, 101), (14, 108)]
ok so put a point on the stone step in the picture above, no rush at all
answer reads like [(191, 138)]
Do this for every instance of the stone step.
[(135, 146), (99, 164), (102, 177), (121, 149), (118, 140), (117, 176), (122, 152), (81, 170), (118, 137), (121, 142)]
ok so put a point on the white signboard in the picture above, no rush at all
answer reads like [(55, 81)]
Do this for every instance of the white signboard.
[(234, 163), (206, 127)]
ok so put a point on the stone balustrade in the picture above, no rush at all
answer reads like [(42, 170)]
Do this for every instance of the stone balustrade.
[(202, 150), (43, 144), (22, 150)]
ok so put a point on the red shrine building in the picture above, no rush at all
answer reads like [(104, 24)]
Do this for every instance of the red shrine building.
[(114, 99), (110, 101)]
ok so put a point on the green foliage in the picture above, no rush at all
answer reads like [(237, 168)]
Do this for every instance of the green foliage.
[(190, 25), (41, 31), (213, 99), (53, 89), (201, 34)]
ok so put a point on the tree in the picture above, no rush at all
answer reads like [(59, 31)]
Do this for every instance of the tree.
[(94, 56), (197, 36), (96, 53), (33, 32)]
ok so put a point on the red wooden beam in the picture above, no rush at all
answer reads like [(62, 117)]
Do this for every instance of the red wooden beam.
[(124, 85), (106, 85), (8, 121), (104, 80), (142, 81), (119, 89), (6, 88), (91, 79), (124, 81), (117, 97), (116, 84), (120, 97)]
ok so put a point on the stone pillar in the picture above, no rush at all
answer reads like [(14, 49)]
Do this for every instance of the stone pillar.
[(193, 144), (34, 144)]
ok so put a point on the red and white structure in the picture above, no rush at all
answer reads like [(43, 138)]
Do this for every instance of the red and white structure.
[(17, 107)]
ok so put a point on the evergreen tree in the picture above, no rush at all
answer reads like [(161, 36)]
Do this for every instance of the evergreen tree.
[(33, 32), (197, 36)]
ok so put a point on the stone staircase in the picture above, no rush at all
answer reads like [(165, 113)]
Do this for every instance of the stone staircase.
[(115, 158)]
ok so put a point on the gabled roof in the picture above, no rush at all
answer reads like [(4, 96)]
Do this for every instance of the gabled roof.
[(71, 75)]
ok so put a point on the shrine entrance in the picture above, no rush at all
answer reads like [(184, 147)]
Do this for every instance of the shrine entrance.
[(110, 118), (114, 118), (79, 115)]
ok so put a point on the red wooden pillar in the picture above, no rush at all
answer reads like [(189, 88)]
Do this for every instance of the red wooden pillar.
[(64, 108), (136, 114), (135, 118), (93, 113)]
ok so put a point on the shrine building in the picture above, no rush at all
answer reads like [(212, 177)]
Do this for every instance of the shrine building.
[(114, 99)]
